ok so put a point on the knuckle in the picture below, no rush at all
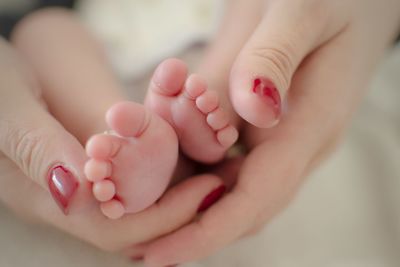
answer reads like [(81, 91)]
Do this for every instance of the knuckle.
[(28, 145), (24, 144), (278, 59)]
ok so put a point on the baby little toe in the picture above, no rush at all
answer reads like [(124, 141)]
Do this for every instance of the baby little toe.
[(227, 136), (112, 209)]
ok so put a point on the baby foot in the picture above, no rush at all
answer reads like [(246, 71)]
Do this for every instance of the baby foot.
[(202, 127), (131, 169)]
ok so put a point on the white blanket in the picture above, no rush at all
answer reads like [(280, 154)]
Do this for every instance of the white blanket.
[(138, 34)]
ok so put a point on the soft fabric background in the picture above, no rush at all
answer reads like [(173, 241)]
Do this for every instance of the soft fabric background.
[(346, 214), (138, 33)]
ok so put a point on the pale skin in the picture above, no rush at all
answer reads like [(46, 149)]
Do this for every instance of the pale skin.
[(32, 140), (324, 92), (136, 164), (131, 168)]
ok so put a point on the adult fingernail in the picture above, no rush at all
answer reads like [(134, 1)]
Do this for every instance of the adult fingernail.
[(211, 198), (62, 185), (269, 93)]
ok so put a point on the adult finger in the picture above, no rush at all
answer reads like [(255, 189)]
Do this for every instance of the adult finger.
[(274, 169), (263, 70), (32, 138)]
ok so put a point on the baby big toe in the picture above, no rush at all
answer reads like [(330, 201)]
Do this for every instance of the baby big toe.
[(128, 119), (169, 77)]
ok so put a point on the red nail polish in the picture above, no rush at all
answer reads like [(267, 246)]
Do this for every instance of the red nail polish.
[(267, 90), (211, 198), (62, 185)]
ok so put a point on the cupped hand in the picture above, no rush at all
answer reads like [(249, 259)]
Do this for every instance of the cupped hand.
[(41, 167), (320, 55)]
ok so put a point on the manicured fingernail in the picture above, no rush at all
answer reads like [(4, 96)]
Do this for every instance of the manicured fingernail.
[(62, 185), (267, 91), (211, 198)]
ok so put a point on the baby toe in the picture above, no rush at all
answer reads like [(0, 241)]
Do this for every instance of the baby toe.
[(104, 190), (194, 87), (96, 170), (169, 77), (112, 209), (217, 119), (207, 102), (128, 119), (103, 146), (227, 136)]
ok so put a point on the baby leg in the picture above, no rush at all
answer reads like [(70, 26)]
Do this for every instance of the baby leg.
[(71, 67)]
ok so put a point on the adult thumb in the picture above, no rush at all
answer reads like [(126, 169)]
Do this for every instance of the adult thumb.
[(41, 148), (263, 70)]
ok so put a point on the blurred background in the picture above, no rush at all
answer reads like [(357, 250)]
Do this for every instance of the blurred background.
[(347, 213)]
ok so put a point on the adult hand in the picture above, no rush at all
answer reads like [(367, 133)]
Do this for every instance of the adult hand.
[(40, 159), (320, 54)]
